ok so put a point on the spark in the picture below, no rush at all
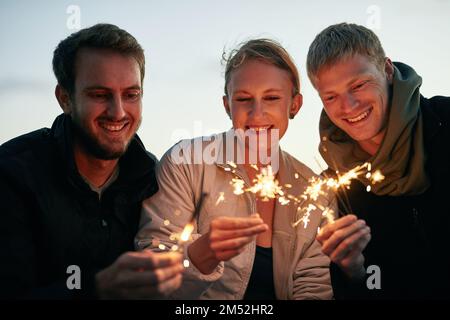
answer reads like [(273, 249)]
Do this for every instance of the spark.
[(166, 222), (377, 176), (238, 186), (186, 263), (187, 231), (220, 198)]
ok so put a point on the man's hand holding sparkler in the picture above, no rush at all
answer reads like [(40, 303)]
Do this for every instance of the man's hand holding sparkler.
[(226, 239), (141, 275), (344, 241)]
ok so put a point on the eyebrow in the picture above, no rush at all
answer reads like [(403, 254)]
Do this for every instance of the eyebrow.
[(351, 81), (134, 87), (266, 91)]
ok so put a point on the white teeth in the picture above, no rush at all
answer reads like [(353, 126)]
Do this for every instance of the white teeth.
[(110, 127), (360, 117), (257, 129)]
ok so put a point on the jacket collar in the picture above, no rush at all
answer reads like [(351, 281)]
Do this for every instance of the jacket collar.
[(137, 166)]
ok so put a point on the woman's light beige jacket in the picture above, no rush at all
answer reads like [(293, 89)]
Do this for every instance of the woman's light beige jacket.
[(300, 269)]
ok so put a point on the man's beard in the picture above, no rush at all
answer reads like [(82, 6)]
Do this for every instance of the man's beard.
[(91, 144)]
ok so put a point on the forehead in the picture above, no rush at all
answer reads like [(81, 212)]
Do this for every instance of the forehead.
[(255, 74), (345, 71), (105, 68)]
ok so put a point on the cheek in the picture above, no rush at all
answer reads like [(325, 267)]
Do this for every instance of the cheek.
[(238, 117)]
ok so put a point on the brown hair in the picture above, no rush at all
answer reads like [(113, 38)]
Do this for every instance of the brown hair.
[(99, 36), (266, 50)]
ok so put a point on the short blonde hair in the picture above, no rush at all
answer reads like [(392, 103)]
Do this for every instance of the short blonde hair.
[(266, 50), (341, 41)]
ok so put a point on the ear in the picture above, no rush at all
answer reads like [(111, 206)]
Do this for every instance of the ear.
[(63, 99), (296, 105), (389, 70), (226, 105)]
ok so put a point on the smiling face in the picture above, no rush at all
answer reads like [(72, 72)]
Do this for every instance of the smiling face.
[(106, 107), (260, 98), (355, 96)]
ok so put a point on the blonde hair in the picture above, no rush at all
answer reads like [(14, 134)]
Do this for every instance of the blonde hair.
[(266, 50), (340, 41)]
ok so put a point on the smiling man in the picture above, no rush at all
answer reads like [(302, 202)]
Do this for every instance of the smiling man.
[(373, 112), (71, 195)]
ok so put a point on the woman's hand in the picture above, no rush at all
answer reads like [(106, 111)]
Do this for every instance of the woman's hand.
[(226, 238)]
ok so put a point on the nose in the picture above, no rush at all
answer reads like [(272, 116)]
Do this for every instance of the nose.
[(257, 110), (348, 103), (116, 109)]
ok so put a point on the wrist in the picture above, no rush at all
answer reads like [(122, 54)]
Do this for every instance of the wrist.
[(202, 256)]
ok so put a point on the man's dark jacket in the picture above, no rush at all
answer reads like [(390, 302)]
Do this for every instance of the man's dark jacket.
[(50, 219), (410, 234)]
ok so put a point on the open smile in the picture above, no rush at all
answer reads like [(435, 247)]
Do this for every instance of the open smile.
[(113, 127), (360, 117)]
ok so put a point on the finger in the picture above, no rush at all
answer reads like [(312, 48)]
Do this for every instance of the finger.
[(232, 244), (131, 279), (340, 235), (228, 223), (154, 292), (147, 260), (354, 243), (330, 228), (221, 234), (352, 259), (163, 274), (169, 286)]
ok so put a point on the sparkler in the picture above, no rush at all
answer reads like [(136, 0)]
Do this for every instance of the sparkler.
[(267, 187)]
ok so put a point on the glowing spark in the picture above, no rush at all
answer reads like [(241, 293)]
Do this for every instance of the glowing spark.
[(221, 198), (368, 188), (232, 164), (187, 231), (328, 214), (254, 166), (377, 176), (296, 175), (162, 247), (305, 219), (166, 222), (238, 186), (266, 185), (283, 201), (186, 263), (314, 190), (174, 248)]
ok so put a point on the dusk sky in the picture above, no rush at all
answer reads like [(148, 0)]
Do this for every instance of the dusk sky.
[(183, 43)]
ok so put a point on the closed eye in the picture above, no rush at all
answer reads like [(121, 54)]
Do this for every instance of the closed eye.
[(242, 99), (132, 95), (272, 98), (359, 85), (329, 98)]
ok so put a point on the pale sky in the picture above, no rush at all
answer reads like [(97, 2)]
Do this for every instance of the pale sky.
[(183, 43)]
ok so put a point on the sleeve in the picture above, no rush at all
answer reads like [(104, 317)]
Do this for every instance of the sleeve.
[(312, 275), (166, 213), (19, 255), (345, 288)]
